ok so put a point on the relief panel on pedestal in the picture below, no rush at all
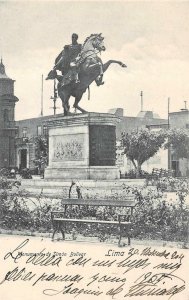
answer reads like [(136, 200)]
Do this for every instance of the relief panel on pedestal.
[(68, 148)]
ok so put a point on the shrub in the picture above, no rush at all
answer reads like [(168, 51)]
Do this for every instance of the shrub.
[(153, 217)]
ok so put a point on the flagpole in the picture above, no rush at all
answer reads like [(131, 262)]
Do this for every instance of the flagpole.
[(42, 95)]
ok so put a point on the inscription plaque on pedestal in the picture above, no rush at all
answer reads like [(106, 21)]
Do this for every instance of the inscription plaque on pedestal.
[(102, 145)]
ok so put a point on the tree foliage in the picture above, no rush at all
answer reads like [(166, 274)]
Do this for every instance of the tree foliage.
[(41, 151), (140, 145), (41, 146), (178, 140)]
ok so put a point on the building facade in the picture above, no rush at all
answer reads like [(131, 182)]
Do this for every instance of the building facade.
[(179, 119), (25, 141), (8, 129), (30, 128)]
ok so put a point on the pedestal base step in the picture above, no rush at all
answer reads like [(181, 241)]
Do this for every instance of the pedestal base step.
[(84, 173)]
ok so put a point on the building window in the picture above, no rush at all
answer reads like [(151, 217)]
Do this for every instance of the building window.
[(39, 130), (45, 130), (24, 131)]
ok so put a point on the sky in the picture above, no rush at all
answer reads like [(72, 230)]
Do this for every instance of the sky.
[(150, 37)]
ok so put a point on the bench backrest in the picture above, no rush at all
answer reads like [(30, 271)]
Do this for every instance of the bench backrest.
[(128, 202), (162, 172)]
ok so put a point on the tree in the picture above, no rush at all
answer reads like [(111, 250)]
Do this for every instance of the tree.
[(178, 140), (41, 152), (140, 145)]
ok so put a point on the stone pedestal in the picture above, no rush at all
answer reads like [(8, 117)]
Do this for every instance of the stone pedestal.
[(82, 146)]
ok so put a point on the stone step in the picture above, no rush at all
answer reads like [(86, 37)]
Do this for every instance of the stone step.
[(60, 188)]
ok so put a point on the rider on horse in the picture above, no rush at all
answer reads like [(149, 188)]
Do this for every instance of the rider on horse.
[(70, 52), (68, 62), (80, 66), (64, 60)]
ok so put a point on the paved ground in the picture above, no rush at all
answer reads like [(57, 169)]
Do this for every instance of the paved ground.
[(94, 240)]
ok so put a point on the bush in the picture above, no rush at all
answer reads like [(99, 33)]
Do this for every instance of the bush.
[(15, 212), (132, 174), (153, 217)]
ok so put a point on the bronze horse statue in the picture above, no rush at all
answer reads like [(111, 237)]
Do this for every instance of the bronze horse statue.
[(90, 68)]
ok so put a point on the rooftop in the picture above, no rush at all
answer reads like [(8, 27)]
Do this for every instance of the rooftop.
[(148, 114), (182, 111)]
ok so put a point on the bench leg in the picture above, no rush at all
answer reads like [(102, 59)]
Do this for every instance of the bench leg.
[(128, 235), (62, 231), (120, 234), (119, 241), (57, 228), (129, 239)]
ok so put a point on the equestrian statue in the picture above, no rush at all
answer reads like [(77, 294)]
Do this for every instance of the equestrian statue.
[(79, 66)]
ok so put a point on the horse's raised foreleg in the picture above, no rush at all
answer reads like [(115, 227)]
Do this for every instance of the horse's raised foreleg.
[(112, 61)]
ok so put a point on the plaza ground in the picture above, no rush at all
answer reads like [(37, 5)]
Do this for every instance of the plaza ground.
[(110, 242)]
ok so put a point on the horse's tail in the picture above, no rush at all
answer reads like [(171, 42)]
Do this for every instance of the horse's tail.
[(88, 92)]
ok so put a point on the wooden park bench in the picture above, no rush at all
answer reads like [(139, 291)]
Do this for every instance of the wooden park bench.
[(158, 173), (59, 219)]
